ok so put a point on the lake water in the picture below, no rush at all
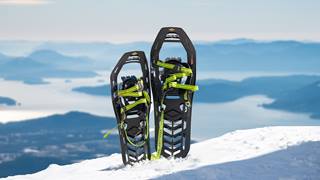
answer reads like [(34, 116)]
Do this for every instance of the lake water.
[(212, 120), (209, 120), (48, 99)]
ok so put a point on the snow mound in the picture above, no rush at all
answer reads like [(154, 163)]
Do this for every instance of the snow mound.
[(262, 153)]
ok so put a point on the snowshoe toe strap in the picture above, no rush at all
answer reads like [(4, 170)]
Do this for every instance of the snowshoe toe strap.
[(172, 66), (183, 72)]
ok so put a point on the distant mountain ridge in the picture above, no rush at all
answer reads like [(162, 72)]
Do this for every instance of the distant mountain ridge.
[(298, 93), (226, 55), (62, 61), (45, 64), (74, 120), (213, 90), (32, 145), (7, 101), (3, 59), (102, 90), (260, 56), (305, 99), (282, 88)]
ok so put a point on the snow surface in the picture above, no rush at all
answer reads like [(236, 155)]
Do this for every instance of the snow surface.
[(262, 153)]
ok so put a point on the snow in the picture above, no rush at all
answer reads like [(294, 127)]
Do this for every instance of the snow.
[(264, 153)]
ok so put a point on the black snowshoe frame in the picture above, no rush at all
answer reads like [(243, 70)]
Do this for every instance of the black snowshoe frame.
[(173, 84), (131, 103)]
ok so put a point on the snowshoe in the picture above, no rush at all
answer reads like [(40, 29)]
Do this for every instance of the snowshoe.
[(131, 103), (173, 84)]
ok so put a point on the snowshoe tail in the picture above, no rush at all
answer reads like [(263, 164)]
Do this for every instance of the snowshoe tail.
[(173, 84), (131, 104)]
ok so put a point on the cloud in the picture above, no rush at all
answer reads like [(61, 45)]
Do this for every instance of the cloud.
[(24, 2)]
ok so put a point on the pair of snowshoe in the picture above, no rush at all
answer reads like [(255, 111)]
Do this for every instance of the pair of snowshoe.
[(172, 83)]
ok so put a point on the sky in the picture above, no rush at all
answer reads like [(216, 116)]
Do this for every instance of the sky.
[(140, 20)]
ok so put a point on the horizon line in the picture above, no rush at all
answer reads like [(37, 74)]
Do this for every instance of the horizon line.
[(259, 40)]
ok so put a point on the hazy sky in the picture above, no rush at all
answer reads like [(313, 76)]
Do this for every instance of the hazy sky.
[(140, 20)]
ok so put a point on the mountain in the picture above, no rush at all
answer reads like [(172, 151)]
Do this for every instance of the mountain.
[(7, 101), (103, 51), (276, 87), (57, 60), (213, 90), (259, 56), (103, 90), (3, 58), (244, 55), (23, 63), (236, 41), (70, 59), (226, 55), (23, 69), (75, 121), (30, 146), (305, 99), (17, 48), (262, 153), (105, 54), (298, 93), (32, 71)]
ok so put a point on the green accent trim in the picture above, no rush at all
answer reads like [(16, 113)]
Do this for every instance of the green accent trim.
[(157, 154), (186, 96), (106, 135), (146, 95)]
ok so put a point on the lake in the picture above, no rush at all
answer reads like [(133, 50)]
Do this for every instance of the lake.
[(209, 120), (212, 120)]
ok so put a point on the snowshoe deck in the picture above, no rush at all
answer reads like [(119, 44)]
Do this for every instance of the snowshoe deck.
[(131, 103), (173, 84)]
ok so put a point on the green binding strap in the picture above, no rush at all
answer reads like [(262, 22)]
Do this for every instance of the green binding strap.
[(172, 77), (130, 106), (183, 86), (172, 66), (131, 89), (132, 94)]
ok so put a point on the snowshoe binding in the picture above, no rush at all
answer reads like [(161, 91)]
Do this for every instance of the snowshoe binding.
[(173, 86), (131, 103)]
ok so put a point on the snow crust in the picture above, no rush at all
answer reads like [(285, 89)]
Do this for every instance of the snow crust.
[(291, 152)]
